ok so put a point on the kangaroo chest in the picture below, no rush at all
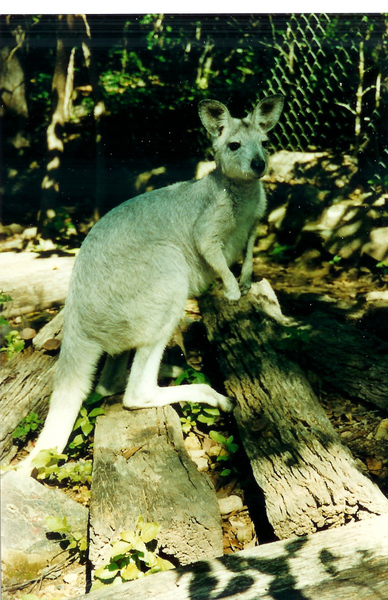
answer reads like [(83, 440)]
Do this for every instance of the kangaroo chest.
[(247, 214)]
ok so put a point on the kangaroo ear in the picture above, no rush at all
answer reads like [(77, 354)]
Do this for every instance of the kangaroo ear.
[(214, 116), (267, 112)]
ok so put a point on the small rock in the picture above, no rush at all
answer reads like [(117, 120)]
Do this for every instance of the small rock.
[(377, 247), (30, 233), (244, 534), (192, 443), (201, 463), (196, 453), (230, 504), (70, 578), (15, 228), (382, 431)]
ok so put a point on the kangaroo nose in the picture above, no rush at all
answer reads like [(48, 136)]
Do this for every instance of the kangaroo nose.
[(258, 165)]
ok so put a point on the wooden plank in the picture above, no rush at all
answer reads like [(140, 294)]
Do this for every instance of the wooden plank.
[(349, 562), (141, 468), (309, 479)]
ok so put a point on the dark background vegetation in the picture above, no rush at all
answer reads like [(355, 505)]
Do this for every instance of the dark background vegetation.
[(150, 73)]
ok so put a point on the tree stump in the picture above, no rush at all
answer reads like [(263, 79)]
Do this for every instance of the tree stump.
[(309, 478), (141, 468)]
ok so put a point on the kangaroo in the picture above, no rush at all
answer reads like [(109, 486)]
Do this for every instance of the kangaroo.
[(141, 262)]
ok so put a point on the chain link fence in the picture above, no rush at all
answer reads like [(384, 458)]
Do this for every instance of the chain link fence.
[(335, 78)]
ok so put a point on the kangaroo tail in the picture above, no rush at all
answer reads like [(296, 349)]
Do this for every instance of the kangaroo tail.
[(72, 383)]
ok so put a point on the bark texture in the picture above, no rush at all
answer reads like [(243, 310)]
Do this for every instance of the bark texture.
[(26, 384), (141, 468), (349, 562), (309, 478)]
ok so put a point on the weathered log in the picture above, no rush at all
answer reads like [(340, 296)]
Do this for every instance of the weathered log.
[(26, 383), (33, 282), (309, 479), (141, 468), (348, 563)]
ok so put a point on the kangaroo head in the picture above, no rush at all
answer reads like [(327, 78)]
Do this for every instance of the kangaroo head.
[(239, 143)]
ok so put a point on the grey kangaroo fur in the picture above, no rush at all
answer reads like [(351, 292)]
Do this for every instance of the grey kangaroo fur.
[(143, 259)]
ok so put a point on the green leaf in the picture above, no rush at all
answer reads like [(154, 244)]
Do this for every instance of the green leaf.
[(87, 428), (129, 536), (47, 458), (96, 412), (149, 531), (130, 572), (217, 437), (163, 564), (57, 524), (78, 441), (105, 574), (120, 547), (222, 457)]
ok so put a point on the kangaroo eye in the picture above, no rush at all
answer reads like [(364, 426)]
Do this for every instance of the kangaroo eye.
[(233, 146)]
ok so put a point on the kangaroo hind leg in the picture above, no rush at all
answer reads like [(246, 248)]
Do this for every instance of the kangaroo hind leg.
[(143, 391), (72, 383)]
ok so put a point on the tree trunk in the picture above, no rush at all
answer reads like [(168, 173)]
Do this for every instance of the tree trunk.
[(14, 109), (61, 91), (309, 479), (141, 468), (347, 563), (98, 113)]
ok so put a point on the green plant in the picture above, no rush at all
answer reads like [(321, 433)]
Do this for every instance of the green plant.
[(48, 466), (85, 424), (72, 541), (383, 265), (133, 556), (26, 427), (229, 450), (4, 298), (192, 411), (335, 260), (14, 343), (12, 340), (281, 252)]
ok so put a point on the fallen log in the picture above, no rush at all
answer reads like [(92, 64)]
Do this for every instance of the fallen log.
[(309, 478), (34, 282), (349, 562), (141, 468), (26, 383)]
